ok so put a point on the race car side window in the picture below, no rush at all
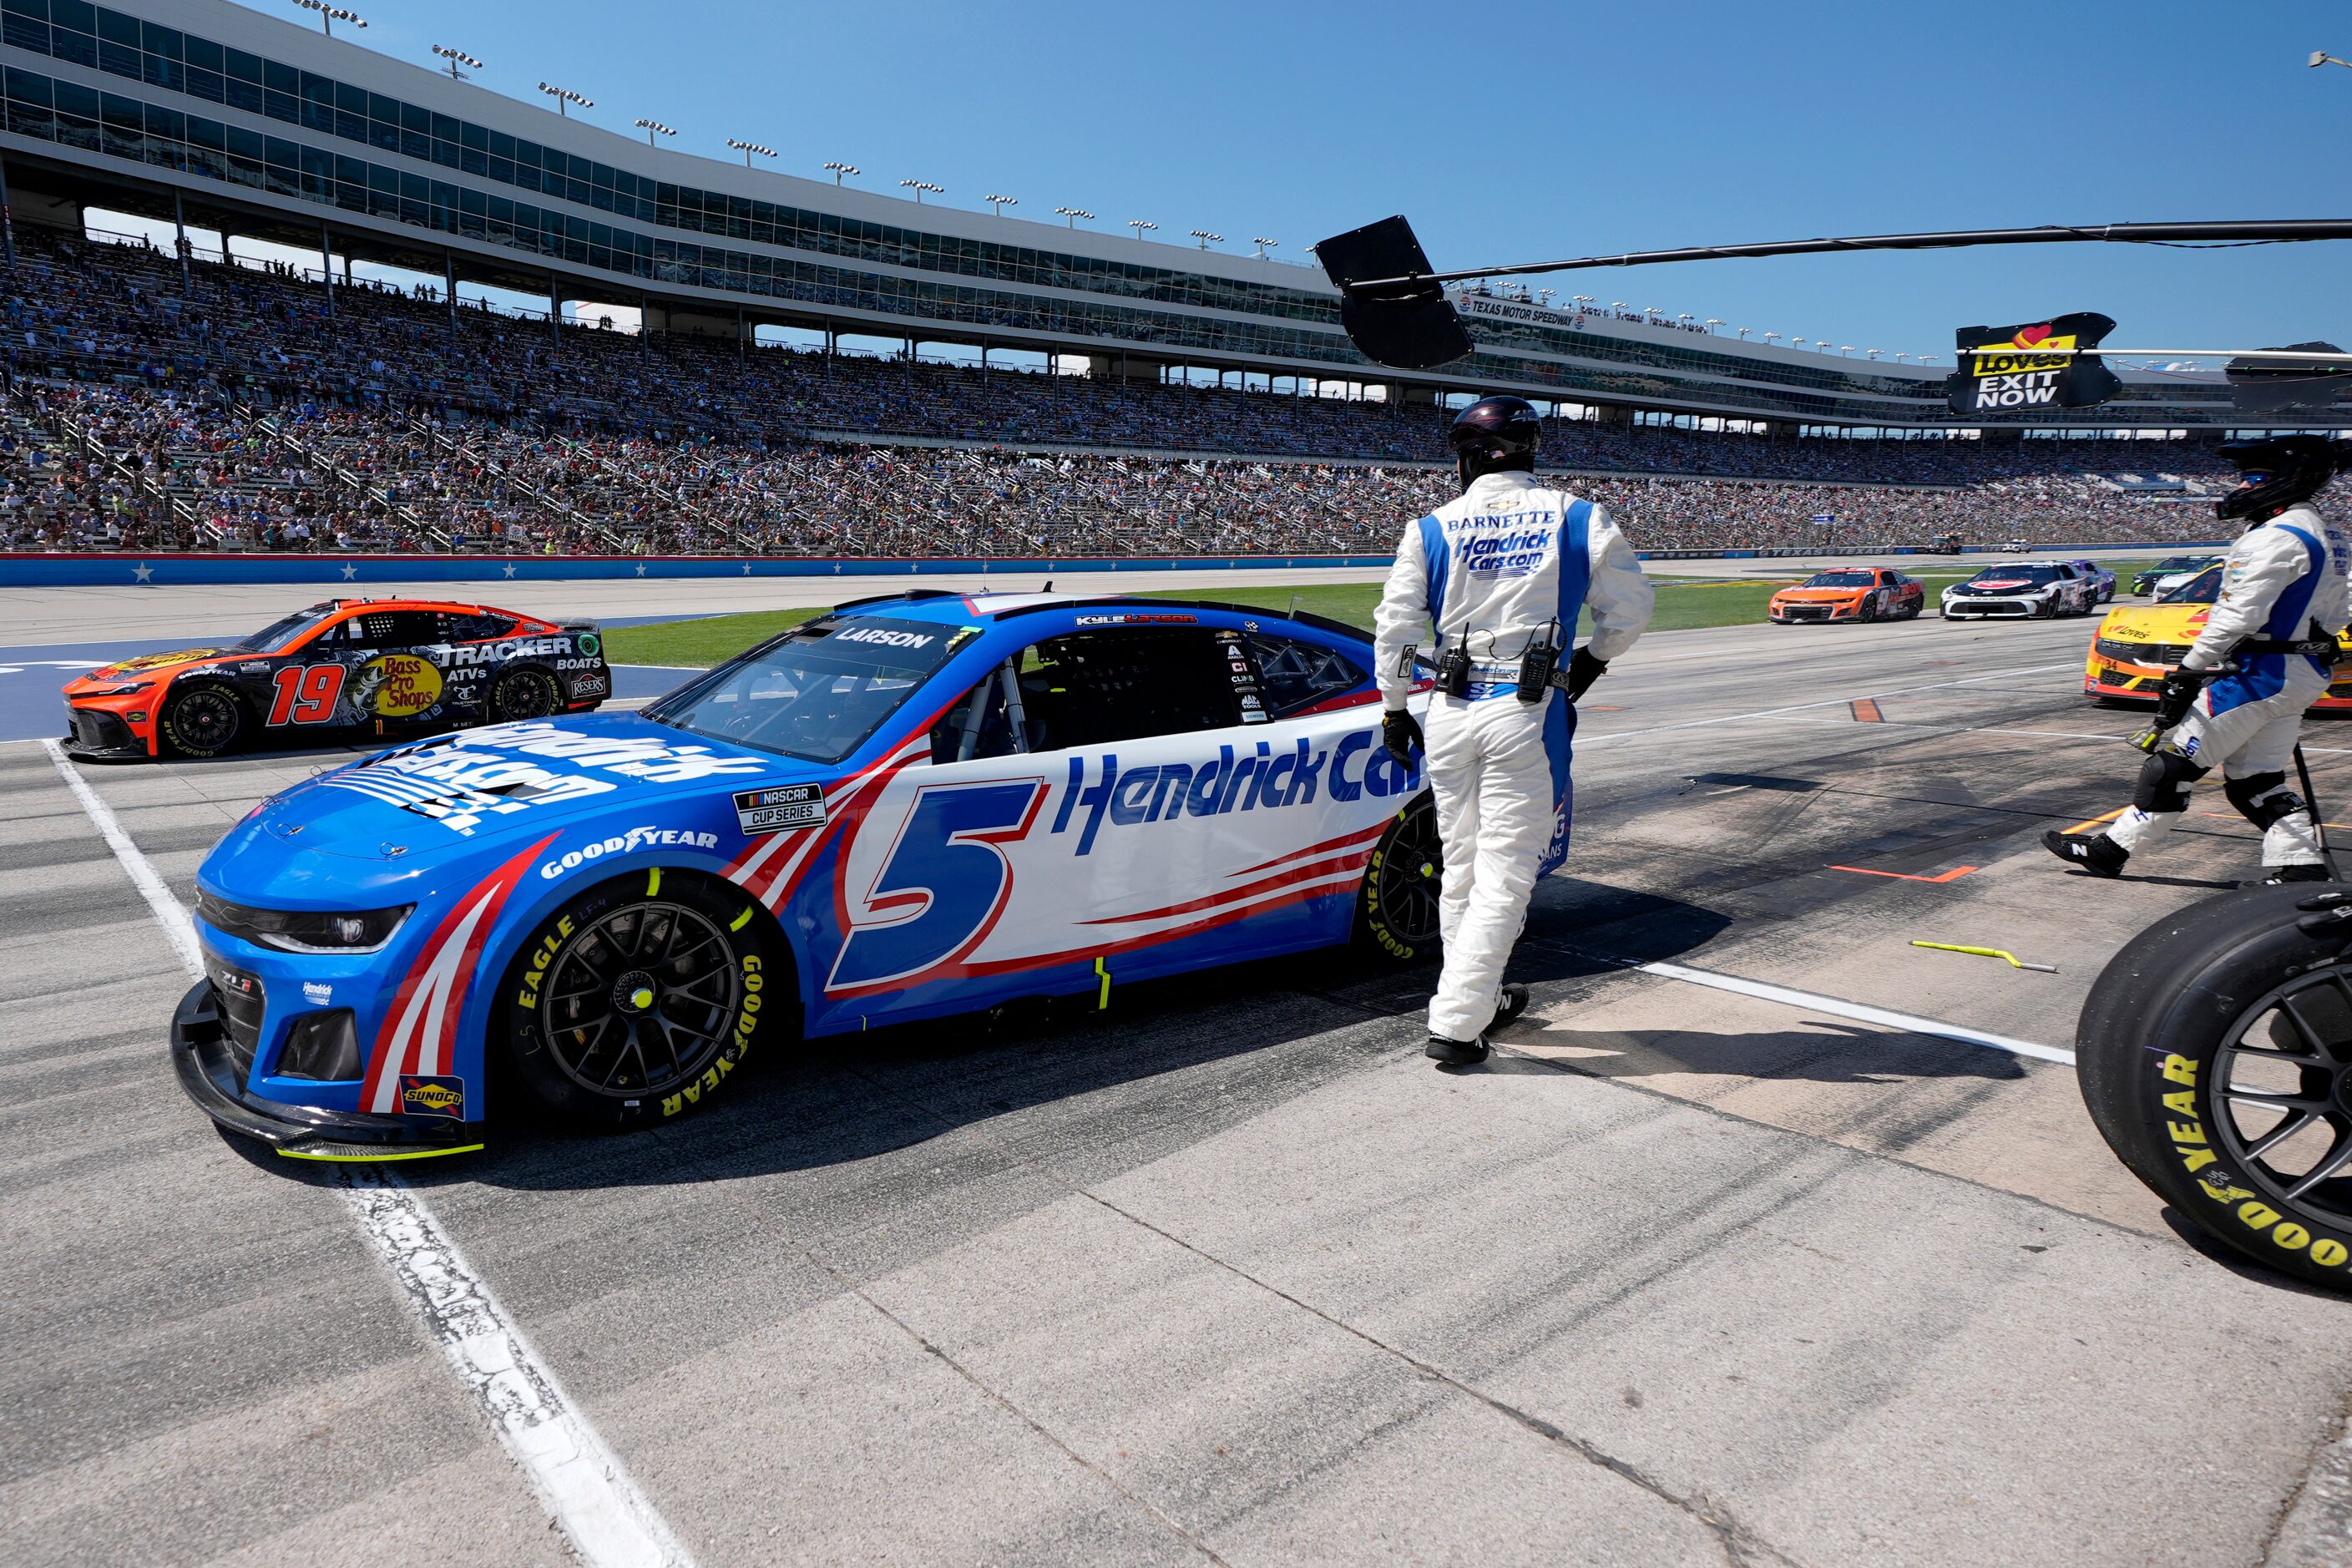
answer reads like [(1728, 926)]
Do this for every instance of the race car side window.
[(1094, 688), (1297, 674), (456, 627), (393, 628)]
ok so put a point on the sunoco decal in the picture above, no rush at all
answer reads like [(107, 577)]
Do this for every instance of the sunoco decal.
[(781, 809), (423, 1096)]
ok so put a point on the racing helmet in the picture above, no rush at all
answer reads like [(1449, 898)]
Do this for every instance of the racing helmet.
[(1494, 434), (2274, 473)]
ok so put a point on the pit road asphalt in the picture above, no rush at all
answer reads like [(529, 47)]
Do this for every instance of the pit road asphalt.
[(1230, 1273)]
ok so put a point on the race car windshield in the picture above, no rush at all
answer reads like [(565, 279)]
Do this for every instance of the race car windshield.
[(2202, 589), (818, 691), (2040, 577), (1839, 580), (277, 633)]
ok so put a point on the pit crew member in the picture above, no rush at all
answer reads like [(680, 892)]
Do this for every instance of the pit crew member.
[(2236, 699), (1499, 576)]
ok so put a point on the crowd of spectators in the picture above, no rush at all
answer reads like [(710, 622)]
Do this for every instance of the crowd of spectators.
[(223, 407)]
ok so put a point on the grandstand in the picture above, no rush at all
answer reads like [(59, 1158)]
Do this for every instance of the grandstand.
[(161, 402)]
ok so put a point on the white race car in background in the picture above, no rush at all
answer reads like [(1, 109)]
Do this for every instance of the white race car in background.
[(2023, 590)]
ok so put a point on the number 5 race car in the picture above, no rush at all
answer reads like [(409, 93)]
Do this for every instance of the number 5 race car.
[(910, 808), (346, 667)]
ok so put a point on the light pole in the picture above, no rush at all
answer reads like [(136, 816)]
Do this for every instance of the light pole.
[(1900, 356), (1870, 353), (1926, 359), (1771, 337), (836, 170), (1075, 214), (1547, 297), (562, 95), (653, 128), (1744, 331), (456, 58), (997, 204), (1581, 299), (331, 14), (1141, 226), (1713, 322), (920, 186), (1204, 236), (1265, 245), (1845, 348), (2322, 57), (748, 148)]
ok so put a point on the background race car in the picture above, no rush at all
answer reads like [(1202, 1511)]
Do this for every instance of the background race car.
[(349, 666), (1851, 594), (902, 810), (2101, 580), (2138, 645), (2022, 590), (2169, 572)]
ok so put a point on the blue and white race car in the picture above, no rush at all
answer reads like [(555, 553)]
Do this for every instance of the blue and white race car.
[(910, 808)]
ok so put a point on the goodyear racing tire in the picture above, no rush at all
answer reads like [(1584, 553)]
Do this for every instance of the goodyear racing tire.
[(201, 718), (529, 693), (2215, 1058), (1396, 912), (638, 999)]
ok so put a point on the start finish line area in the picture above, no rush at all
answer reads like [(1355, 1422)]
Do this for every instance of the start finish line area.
[(1765, 1238)]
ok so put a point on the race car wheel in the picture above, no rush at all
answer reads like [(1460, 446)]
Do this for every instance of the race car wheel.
[(1869, 609), (525, 693), (2216, 1060), (638, 1000), (1396, 914), (201, 720)]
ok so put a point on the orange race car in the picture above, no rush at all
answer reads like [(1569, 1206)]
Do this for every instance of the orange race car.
[(1851, 594), (347, 667)]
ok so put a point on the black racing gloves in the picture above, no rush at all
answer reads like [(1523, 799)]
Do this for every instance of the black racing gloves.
[(1582, 671), (2174, 698), (1399, 733)]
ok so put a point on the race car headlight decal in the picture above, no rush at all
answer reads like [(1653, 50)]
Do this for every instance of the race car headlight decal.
[(324, 1047), (125, 690), (295, 931)]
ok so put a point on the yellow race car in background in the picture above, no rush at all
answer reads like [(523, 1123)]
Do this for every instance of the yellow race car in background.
[(2138, 645)]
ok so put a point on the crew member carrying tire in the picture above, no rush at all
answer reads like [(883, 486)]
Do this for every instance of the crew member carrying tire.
[(1499, 576), (2265, 654)]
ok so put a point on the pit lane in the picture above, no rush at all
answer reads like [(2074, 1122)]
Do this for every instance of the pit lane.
[(1684, 1275)]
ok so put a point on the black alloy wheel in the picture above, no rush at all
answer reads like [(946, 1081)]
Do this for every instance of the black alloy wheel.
[(639, 998), (1397, 912), (201, 720), (525, 693), (2216, 1060)]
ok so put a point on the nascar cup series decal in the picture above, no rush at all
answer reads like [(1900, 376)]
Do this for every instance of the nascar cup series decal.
[(780, 809)]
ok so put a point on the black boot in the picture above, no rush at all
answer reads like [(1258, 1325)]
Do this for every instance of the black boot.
[(1513, 1002), (2279, 874), (1457, 1053), (2094, 852)]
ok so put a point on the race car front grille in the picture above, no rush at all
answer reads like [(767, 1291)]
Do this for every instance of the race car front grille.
[(238, 997), (1807, 612), (1987, 607), (95, 732), (2166, 654)]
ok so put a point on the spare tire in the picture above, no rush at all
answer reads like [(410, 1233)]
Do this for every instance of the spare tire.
[(2215, 1057)]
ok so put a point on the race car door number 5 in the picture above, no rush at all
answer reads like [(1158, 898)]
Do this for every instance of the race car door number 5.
[(941, 885), (307, 693)]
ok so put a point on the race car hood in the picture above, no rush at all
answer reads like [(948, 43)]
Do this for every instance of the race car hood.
[(2005, 587), (1815, 595), (405, 811), (150, 664), (2156, 623)]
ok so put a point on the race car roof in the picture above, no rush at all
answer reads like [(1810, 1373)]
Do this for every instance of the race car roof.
[(933, 604)]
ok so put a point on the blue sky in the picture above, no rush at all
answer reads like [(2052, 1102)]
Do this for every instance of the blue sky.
[(1516, 133)]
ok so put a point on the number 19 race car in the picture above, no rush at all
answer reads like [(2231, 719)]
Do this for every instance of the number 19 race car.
[(907, 808), (347, 667)]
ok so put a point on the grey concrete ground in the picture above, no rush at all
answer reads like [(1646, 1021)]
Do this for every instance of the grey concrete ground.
[(1230, 1273)]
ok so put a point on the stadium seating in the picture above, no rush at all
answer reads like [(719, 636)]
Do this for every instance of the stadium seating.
[(243, 409)]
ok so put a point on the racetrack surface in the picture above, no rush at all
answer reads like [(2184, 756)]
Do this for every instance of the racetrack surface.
[(1228, 1273)]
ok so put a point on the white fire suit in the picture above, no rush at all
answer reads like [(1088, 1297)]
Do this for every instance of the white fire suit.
[(2281, 578), (1509, 563)]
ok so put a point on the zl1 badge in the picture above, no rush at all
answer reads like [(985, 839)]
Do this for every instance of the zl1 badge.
[(423, 1096), (780, 809)]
